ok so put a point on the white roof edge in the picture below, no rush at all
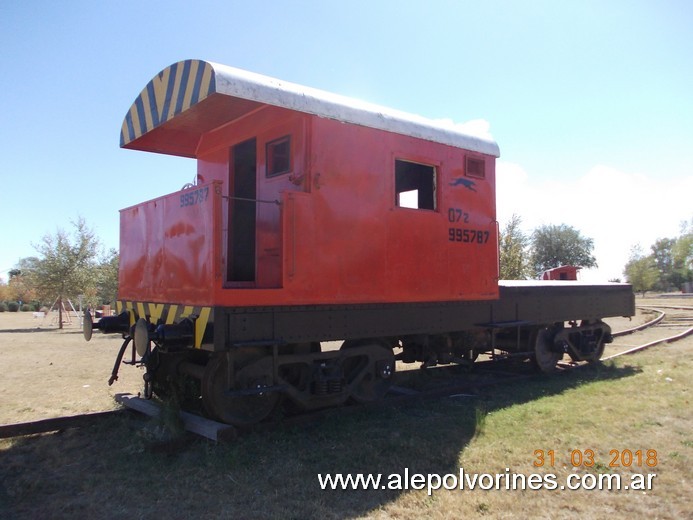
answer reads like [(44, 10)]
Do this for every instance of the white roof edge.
[(264, 89)]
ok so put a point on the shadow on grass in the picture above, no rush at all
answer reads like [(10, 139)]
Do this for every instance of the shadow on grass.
[(107, 471)]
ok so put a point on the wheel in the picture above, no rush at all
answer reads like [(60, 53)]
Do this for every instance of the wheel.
[(588, 341), (368, 373), (598, 351), (250, 370), (169, 385), (158, 365), (544, 356), (596, 356)]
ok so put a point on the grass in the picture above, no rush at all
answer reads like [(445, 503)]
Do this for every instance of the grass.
[(640, 402)]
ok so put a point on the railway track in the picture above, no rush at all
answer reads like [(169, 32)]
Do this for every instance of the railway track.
[(55, 424), (677, 321), (456, 380)]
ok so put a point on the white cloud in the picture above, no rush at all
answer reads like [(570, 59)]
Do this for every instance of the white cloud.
[(615, 208)]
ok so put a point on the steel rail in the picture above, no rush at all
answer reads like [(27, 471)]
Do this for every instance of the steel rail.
[(651, 323), (54, 424), (669, 339), (642, 326)]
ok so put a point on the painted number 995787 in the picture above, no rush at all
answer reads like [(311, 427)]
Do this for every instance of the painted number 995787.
[(192, 197), (468, 236)]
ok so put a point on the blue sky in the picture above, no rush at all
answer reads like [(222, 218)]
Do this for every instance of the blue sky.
[(591, 102)]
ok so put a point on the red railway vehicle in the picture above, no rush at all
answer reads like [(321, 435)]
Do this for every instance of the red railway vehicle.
[(316, 218), (564, 272)]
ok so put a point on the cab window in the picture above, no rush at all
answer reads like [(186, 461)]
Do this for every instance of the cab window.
[(415, 185), (279, 156)]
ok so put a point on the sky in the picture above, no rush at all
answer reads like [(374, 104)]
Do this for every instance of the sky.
[(591, 102)]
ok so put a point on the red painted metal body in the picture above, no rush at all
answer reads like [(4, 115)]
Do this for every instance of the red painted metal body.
[(564, 272), (336, 235), (170, 250)]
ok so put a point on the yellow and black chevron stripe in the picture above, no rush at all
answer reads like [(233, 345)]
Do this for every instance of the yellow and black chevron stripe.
[(169, 314), (172, 91)]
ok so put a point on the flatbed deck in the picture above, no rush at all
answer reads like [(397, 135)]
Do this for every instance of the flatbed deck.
[(533, 302)]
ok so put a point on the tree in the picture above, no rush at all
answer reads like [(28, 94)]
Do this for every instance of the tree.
[(21, 287), (104, 289), (662, 255), (554, 246), (513, 245), (682, 254), (107, 278), (66, 264), (641, 271), (4, 291)]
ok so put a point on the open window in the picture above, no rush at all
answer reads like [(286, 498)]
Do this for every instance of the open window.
[(415, 185)]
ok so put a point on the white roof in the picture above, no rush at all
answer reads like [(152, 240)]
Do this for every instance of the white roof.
[(191, 97), (248, 85)]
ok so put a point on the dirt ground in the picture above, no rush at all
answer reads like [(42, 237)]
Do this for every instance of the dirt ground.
[(46, 372)]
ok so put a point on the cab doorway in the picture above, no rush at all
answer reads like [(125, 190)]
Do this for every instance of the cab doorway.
[(241, 255)]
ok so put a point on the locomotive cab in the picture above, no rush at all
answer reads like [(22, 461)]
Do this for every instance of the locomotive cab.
[(304, 197)]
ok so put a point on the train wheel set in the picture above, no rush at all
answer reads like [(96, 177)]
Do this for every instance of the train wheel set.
[(249, 383)]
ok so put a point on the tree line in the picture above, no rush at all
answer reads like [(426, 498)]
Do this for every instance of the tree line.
[(68, 266), (667, 267), (524, 256)]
